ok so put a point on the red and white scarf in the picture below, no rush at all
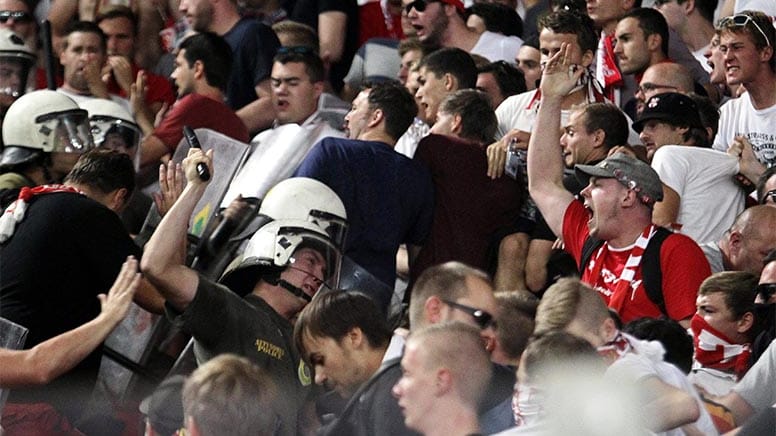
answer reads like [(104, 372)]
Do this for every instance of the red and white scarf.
[(623, 284), (607, 71), (14, 213), (614, 349), (715, 350)]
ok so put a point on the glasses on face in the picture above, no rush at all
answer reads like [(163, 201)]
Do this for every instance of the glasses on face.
[(648, 87), (17, 16), (769, 197), (297, 49), (419, 5), (482, 318), (741, 20), (766, 290)]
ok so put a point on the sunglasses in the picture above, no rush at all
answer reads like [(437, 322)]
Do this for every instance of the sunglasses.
[(298, 49), (482, 318), (17, 16), (766, 290), (419, 5), (769, 196), (742, 20), (647, 87)]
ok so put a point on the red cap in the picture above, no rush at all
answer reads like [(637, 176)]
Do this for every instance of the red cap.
[(457, 3)]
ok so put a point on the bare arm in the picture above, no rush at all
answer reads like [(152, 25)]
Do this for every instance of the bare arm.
[(331, 34), (545, 164), (52, 358), (668, 407), (162, 261), (666, 212), (152, 149), (259, 114)]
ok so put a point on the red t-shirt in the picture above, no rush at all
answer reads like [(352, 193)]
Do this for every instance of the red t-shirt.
[(682, 264), (198, 111), (158, 87)]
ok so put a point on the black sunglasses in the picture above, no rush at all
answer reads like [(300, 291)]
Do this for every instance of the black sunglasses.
[(297, 49), (482, 318), (770, 195), (18, 16), (419, 5), (766, 290)]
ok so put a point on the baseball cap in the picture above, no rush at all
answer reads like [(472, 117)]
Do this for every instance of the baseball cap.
[(457, 3), (164, 407), (674, 108), (631, 172)]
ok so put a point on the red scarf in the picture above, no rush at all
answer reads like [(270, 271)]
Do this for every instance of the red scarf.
[(623, 287), (14, 214), (614, 349), (608, 72), (714, 350)]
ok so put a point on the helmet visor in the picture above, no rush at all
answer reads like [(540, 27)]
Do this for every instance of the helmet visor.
[(66, 131), (13, 76), (312, 253), (333, 225), (115, 134)]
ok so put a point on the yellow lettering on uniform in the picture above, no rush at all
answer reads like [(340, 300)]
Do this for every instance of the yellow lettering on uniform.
[(270, 349)]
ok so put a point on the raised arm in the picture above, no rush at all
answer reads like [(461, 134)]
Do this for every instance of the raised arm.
[(52, 358), (545, 162), (163, 262)]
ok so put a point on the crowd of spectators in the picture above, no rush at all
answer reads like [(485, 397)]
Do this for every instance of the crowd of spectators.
[(439, 217)]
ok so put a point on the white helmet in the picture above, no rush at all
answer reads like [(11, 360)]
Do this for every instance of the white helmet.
[(44, 121), (16, 60), (302, 198), (271, 250), (111, 124)]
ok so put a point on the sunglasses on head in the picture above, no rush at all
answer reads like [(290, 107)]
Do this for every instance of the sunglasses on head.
[(482, 318), (419, 5), (17, 16), (741, 20)]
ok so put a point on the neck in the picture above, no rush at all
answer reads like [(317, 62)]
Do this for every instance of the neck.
[(209, 91), (378, 136), (697, 34), (460, 36), (631, 230), (279, 299), (455, 420), (575, 98), (67, 87), (762, 91), (224, 22)]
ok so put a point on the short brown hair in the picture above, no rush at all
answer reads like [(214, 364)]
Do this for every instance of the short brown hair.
[(566, 301), (446, 281)]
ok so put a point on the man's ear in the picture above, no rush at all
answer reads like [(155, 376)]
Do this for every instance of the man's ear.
[(608, 330), (599, 136), (118, 199), (432, 310), (451, 83), (587, 58), (457, 125), (318, 88), (376, 118), (355, 337), (654, 41), (443, 381), (199, 69), (746, 322), (766, 53)]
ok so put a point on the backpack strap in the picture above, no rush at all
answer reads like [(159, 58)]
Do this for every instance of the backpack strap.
[(651, 273), (589, 247)]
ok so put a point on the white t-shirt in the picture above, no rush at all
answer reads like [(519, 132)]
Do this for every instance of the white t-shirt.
[(514, 113), (768, 7), (647, 361), (757, 388), (710, 200), (739, 118), (497, 47)]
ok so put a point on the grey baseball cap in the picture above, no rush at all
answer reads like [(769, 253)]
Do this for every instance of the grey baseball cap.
[(631, 172)]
